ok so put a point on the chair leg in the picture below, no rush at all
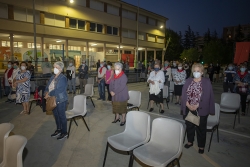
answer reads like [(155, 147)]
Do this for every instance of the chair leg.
[(211, 139), (167, 103), (131, 159), (92, 101), (235, 119), (30, 106), (75, 121), (239, 116), (69, 127), (185, 136), (217, 128), (105, 156), (85, 123), (178, 162)]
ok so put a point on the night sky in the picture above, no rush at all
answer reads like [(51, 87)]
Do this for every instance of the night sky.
[(199, 14)]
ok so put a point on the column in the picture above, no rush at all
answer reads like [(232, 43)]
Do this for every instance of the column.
[(67, 48), (119, 54), (146, 56), (12, 47), (42, 49), (154, 54), (87, 54), (104, 51), (140, 53)]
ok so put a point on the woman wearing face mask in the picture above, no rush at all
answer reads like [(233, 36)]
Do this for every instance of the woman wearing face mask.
[(119, 92), (22, 84), (71, 76), (179, 78), (108, 76), (7, 74), (229, 74), (156, 77), (197, 98), (16, 70), (242, 81), (57, 86)]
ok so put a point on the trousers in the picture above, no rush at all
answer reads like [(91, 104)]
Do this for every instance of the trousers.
[(60, 117)]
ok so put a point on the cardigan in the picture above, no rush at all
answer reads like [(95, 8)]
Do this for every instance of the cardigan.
[(206, 105)]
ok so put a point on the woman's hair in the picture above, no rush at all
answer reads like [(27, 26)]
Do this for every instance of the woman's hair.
[(16, 62), (157, 64), (199, 65), (23, 62), (60, 64), (243, 65), (118, 64)]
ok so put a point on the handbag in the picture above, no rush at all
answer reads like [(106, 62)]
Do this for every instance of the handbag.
[(195, 119), (50, 103)]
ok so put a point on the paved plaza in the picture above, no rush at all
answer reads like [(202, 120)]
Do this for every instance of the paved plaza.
[(86, 149)]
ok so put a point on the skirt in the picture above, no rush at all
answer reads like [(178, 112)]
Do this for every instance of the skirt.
[(178, 90), (157, 98), (119, 107)]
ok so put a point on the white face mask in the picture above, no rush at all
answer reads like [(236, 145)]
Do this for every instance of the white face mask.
[(56, 71), (174, 64), (196, 74), (70, 64), (109, 67), (101, 65), (23, 67), (117, 72), (9, 65), (179, 68)]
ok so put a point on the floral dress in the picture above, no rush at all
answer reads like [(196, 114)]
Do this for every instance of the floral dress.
[(23, 89)]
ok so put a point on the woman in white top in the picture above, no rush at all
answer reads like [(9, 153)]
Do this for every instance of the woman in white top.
[(156, 77), (167, 71), (179, 78)]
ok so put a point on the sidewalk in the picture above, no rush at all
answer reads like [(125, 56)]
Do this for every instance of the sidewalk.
[(86, 149)]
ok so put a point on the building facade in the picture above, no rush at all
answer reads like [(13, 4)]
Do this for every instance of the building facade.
[(84, 29), (229, 33)]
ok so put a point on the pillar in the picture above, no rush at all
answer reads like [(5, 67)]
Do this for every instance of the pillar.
[(87, 53), (12, 47), (67, 48), (146, 56), (119, 53), (140, 53), (42, 49), (104, 51), (87, 26), (154, 54)]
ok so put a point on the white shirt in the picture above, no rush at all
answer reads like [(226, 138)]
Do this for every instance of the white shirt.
[(100, 75), (157, 77), (14, 74), (6, 78), (73, 71)]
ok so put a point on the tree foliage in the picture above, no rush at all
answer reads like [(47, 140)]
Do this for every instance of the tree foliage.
[(189, 40), (190, 55)]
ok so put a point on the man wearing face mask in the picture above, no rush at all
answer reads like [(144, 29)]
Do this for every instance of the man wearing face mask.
[(71, 76), (16, 70), (229, 74), (188, 70), (7, 74), (179, 78), (198, 99), (100, 79), (242, 81), (83, 75), (156, 80)]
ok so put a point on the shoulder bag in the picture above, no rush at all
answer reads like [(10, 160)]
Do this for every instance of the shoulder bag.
[(195, 119), (50, 103)]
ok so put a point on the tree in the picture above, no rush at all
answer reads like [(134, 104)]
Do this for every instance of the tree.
[(174, 48), (187, 38), (207, 36), (217, 51), (214, 35), (190, 55)]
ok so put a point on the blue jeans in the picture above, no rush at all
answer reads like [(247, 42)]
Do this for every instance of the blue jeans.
[(7, 90), (72, 83), (60, 117), (101, 89)]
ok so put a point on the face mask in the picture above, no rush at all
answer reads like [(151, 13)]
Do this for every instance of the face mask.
[(15, 67), (174, 64), (166, 64), (56, 71), (196, 74), (242, 69), (23, 67), (179, 68), (9, 65), (83, 64), (70, 64), (109, 67), (117, 72), (156, 69), (101, 65), (230, 68)]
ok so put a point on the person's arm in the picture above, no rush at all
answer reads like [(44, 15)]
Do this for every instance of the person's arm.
[(122, 85), (162, 78), (150, 78)]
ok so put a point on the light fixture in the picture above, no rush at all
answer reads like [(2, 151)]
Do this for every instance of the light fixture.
[(120, 47), (140, 48), (59, 41), (161, 26), (71, 1), (94, 44), (13, 36)]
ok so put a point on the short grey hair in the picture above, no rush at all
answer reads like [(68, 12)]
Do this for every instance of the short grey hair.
[(60, 64), (118, 64)]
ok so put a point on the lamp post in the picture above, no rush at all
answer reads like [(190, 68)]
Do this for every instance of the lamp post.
[(34, 29)]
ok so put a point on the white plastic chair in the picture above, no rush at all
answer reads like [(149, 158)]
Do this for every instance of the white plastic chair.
[(143, 77), (90, 81), (165, 145), (89, 92), (230, 103), (5, 129), (79, 110), (136, 133), (213, 123), (134, 100), (14, 151), (165, 93)]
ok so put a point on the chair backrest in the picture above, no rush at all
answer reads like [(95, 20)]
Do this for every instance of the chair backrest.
[(165, 91), (77, 81), (89, 90), (171, 87), (138, 125), (91, 81), (14, 151), (167, 134), (214, 119), (134, 98), (79, 105), (230, 100), (5, 129)]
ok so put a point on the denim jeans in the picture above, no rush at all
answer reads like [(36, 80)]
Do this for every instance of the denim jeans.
[(7, 90), (101, 89), (60, 117), (72, 83)]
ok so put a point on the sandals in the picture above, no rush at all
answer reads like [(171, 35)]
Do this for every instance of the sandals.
[(24, 112)]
